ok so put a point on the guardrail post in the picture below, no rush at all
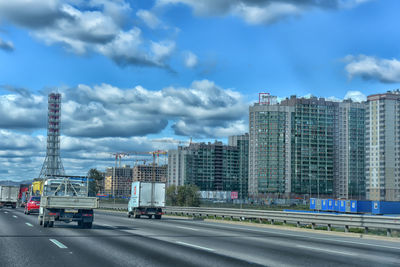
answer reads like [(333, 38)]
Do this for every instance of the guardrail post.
[(259, 220), (272, 221), (389, 232), (231, 218), (366, 230), (284, 222), (215, 216), (298, 224), (329, 227), (313, 226), (346, 228)]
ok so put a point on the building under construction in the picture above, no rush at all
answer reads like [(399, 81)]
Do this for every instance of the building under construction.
[(118, 181), (146, 173)]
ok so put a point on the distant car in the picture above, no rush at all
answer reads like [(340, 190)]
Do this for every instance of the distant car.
[(33, 205)]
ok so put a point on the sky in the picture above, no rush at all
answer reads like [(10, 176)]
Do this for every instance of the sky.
[(134, 71)]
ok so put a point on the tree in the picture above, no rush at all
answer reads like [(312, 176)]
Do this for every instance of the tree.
[(188, 195), (95, 181), (172, 196)]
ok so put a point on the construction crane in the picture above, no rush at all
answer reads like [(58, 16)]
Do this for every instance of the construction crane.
[(173, 141), (120, 155)]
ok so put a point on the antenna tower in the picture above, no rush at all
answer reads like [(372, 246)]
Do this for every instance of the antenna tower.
[(52, 164)]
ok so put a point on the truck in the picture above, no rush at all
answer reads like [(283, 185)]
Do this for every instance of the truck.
[(147, 199), (37, 188), (23, 194), (9, 196), (66, 199)]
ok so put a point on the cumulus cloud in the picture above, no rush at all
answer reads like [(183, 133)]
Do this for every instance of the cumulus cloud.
[(190, 59), (22, 111), (260, 11), (97, 121), (107, 111), (149, 18), (6, 45), (356, 96), (86, 26), (373, 68)]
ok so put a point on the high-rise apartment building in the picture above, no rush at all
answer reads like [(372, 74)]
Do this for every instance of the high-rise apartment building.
[(312, 145), (383, 146), (291, 149), (242, 143), (269, 149), (350, 151), (210, 166), (176, 166)]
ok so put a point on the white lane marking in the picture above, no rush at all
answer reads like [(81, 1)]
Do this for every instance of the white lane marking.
[(15, 216), (330, 251), (29, 224), (187, 228), (58, 243), (194, 246), (6, 212), (309, 237)]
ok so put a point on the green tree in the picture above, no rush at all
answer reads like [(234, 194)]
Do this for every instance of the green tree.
[(95, 181), (188, 195), (192, 196), (172, 196)]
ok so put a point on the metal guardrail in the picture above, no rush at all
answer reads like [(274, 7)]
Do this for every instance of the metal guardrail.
[(346, 221)]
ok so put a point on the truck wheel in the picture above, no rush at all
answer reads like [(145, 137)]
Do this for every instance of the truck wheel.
[(129, 215), (14, 207), (51, 224), (157, 217), (45, 224), (150, 216), (40, 220), (88, 225), (80, 224)]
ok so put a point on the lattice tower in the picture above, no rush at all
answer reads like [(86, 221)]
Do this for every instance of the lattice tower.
[(52, 165)]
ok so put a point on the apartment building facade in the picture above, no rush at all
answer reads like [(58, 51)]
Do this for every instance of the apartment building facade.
[(383, 146), (349, 177)]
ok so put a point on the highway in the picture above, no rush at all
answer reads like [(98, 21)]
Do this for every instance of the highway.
[(116, 240)]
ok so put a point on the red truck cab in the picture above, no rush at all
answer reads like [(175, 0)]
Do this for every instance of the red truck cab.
[(33, 205)]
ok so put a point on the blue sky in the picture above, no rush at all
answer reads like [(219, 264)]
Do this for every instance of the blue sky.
[(132, 71)]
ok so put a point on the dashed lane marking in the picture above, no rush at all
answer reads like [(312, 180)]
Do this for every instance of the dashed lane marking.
[(194, 246), (330, 251), (15, 216), (29, 224), (58, 243), (187, 228)]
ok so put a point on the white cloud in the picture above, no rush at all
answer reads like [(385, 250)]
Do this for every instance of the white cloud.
[(373, 68), (356, 96), (259, 11), (6, 45), (190, 59), (162, 50), (86, 26), (107, 111), (266, 14), (149, 18)]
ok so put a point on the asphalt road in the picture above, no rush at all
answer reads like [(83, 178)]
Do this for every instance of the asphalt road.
[(116, 240)]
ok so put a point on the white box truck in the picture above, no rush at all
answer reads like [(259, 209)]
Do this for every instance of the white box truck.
[(67, 200), (9, 196), (148, 199)]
